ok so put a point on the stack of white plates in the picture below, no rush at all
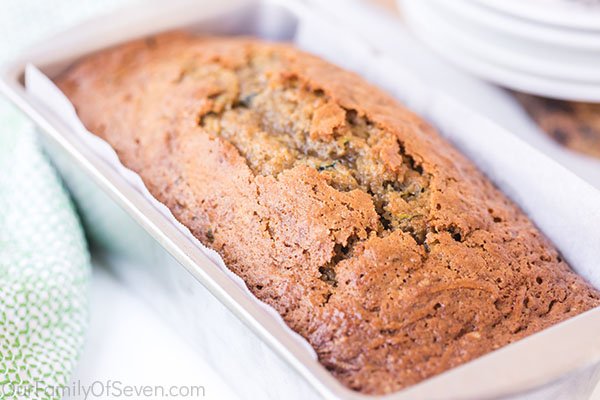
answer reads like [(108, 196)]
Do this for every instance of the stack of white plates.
[(546, 47)]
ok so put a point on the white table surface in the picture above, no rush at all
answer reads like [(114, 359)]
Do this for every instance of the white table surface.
[(129, 343)]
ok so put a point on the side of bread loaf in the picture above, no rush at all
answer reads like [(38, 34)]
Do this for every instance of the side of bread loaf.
[(372, 236)]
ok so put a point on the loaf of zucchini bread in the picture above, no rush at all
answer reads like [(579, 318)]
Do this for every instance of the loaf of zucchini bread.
[(372, 236)]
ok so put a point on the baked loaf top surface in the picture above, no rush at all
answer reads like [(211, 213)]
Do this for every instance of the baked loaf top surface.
[(370, 234)]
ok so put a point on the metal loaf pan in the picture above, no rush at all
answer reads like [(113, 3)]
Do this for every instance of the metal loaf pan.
[(244, 342)]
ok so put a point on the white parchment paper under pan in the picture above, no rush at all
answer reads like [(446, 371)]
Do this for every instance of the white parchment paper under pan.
[(565, 208)]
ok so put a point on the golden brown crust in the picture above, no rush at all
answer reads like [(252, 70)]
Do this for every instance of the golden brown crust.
[(371, 235)]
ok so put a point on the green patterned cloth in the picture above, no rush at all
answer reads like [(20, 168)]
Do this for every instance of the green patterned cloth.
[(44, 270), (44, 262)]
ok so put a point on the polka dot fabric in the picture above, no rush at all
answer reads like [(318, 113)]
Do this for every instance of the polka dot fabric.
[(44, 271)]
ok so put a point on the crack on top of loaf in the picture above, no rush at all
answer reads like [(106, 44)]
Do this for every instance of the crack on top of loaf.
[(275, 112)]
